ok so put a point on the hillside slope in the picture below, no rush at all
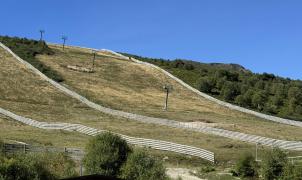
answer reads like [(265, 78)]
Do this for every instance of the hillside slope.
[(25, 93), (132, 87), (266, 93), (168, 133)]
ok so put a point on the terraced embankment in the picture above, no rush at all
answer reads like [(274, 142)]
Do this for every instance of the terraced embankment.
[(291, 145), (155, 144)]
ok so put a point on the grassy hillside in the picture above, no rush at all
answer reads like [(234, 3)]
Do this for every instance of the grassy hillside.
[(26, 94), (28, 49), (265, 92), (124, 85), (121, 85), (12, 130)]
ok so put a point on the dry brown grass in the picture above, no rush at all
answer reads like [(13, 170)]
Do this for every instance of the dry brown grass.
[(12, 130), (124, 85), (26, 94)]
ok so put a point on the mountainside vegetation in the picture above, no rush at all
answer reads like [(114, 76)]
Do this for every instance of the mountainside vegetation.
[(266, 93), (27, 49)]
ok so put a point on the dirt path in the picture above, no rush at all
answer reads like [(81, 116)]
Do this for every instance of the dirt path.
[(181, 172)]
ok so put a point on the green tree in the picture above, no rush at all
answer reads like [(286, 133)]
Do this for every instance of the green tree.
[(246, 166), (24, 167), (105, 154), (205, 85), (141, 166), (258, 100), (295, 93), (229, 91), (260, 85), (241, 100), (273, 164), (189, 66)]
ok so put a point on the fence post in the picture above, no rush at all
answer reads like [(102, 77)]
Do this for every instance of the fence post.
[(256, 152), (81, 168)]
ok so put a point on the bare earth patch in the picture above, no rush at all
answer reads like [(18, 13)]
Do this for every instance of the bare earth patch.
[(181, 172)]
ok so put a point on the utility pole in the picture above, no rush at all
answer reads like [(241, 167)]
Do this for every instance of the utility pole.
[(94, 53), (64, 40), (167, 88), (41, 34)]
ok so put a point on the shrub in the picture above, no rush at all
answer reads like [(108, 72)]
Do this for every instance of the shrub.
[(141, 166), (189, 67), (205, 85), (23, 168), (1, 147), (58, 164), (105, 154), (44, 166), (246, 166), (273, 164), (203, 171), (292, 172)]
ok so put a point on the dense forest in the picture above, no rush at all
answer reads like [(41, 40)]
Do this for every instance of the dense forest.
[(27, 49), (233, 83)]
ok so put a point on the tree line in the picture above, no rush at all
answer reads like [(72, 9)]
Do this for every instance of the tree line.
[(266, 93)]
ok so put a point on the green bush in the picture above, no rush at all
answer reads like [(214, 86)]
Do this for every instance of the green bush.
[(105, 154), (1, 147), (204, 171), (27, 49), (141, 166), (23, 168), (38, 166), (292, 172), (273, 164), (58, 164), (246, 166)]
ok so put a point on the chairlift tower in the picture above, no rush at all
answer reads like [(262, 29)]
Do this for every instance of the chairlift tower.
[(64, 41), (167, 88), (94, 54), (41, 34)]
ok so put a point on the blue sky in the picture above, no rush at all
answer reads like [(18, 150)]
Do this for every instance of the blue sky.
[(262, 35)]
